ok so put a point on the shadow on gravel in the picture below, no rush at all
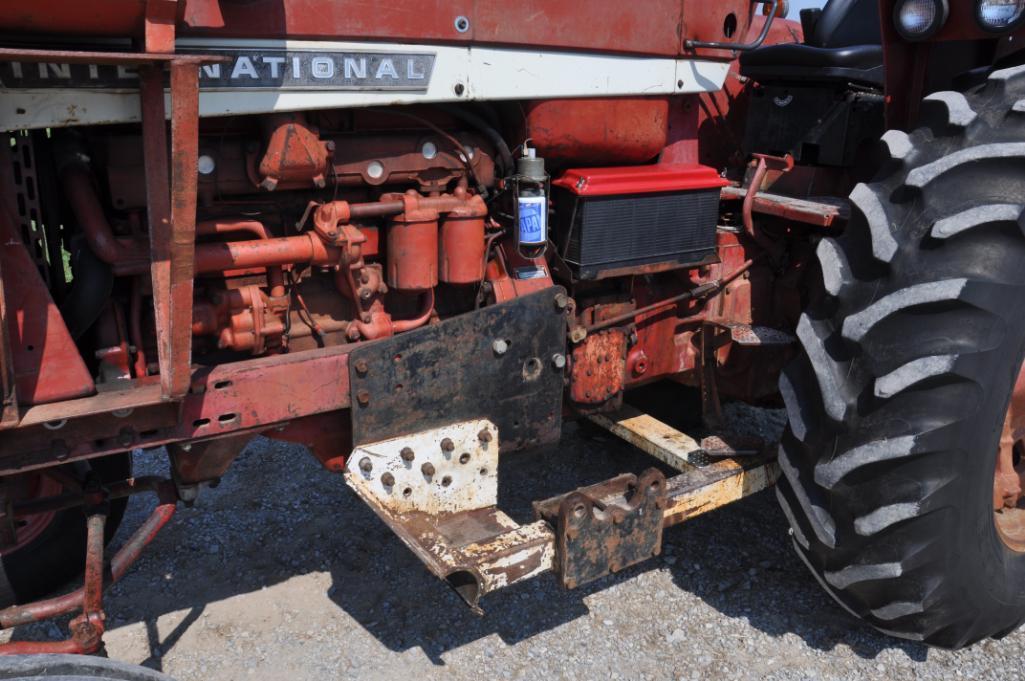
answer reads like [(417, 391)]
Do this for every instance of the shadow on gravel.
[(277, 515)]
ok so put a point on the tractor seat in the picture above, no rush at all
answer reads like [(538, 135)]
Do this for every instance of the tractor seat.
[(842, 42), (855, 63)]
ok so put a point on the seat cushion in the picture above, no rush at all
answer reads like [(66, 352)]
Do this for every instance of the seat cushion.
[(844, 23), (793, 61)]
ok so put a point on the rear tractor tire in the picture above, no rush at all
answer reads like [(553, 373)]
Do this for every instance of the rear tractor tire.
[(898, 402)]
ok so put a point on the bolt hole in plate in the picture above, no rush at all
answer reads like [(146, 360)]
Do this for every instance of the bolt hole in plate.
[(532, 369), (729, 27)]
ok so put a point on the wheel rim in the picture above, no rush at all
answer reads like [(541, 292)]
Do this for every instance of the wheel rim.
[(23, 488), (1009, 477)]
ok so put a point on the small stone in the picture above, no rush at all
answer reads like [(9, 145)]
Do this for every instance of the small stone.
[(677, 636)]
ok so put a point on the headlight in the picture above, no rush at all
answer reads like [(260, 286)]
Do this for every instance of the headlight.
[(1000, 15), (920, 19)]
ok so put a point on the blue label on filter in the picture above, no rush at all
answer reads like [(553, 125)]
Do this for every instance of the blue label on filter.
[(533, 220)]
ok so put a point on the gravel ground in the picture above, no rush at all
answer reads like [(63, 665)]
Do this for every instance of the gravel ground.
[(282, 573)]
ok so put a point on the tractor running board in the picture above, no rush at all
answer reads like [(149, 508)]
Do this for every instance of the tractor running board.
[(438, 491)]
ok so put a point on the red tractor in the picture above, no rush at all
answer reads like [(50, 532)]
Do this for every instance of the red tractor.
[(419, 238)]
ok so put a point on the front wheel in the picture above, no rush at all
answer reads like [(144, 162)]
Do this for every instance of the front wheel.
[(898, 404), (49, 548), (73, 668)]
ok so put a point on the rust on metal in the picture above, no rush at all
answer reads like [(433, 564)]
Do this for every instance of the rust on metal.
[(86, 629), (441, 502), (729, 445), (655, 438), (172, 216), (814, 212), (18, 615), (717, 485), (764, 164), (398, 396), (704, 484), (445, 509), (223, 400), (204, 461), (606, 527), (598, 372)]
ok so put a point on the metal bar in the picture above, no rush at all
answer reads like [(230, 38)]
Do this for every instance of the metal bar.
[(702, 486), (650, 435), (818, 213), (172, 217), (17, 615), (740, 47), (225, 399), (765, 163), (663, 305), (117, 490), (92, 582), (86, 629), (689, 496), (158, 205), (182, 253)]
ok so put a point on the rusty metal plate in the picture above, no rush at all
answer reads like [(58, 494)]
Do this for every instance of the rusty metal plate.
[(437, 490), (599, 368), (607, 527), (498, 363)]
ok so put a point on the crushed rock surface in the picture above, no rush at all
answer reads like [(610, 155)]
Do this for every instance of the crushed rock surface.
[(281, 573)]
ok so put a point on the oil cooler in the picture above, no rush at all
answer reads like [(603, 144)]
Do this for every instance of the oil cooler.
[(612, 221)]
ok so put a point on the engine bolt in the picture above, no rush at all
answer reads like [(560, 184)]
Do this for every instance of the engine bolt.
[(388, 480), (500, 347), (363, 397), (365, 465), (561, 300), (407, 454), (484, 435), (427, 469), (559, 361), (447, 445), (361, 367)]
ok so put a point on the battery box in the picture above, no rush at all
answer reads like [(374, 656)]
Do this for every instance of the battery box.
[(610, 221)]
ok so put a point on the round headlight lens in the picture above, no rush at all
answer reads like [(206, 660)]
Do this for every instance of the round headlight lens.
[(1000, 15), (920, 19), (917, 17)]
